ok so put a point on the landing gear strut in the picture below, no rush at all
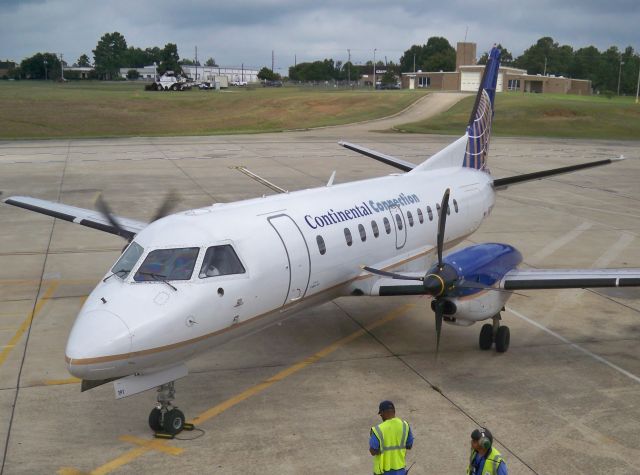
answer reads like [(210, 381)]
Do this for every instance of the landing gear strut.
[(165, 419), (490, 334)]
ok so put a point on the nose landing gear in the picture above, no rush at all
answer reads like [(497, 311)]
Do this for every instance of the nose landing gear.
[(166, 420), (490, 334)]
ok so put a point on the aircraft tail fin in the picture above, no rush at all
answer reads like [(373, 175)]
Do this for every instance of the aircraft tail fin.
[(479, 126)]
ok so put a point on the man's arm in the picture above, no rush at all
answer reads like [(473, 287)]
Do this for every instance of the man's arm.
[(409, 440), (374, 445), (502, 468)]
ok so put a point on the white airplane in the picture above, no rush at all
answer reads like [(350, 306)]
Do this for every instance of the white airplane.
[(193, 280)]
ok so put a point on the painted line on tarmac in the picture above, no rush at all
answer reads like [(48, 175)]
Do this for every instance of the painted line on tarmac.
[(553, 246), (27, 322), (137, 452), (576, 346), (59, 382)]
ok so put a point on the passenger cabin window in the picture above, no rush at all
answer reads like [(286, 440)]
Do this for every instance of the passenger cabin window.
[(420, 216), (430, 213), (321, 246), (455, 205), (387, 225), (220, 260), (410, 218), (128, 260), (374, 227), (347, 236), (363, 233), (399, 221), (168, 264)]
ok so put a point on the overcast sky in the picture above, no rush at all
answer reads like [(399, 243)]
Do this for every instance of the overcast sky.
[(246, 31)]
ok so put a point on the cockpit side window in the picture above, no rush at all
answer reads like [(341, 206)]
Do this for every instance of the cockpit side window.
[(168, 264), (221, 260), (128, 260)]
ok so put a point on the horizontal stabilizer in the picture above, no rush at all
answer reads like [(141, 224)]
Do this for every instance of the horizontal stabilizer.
[(381, 157), (532, 279), (499, 183)]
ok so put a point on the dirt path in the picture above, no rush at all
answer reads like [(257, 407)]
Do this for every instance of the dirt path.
[(424, 108)]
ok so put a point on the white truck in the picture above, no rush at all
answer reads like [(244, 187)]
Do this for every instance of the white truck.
[(169, 81)]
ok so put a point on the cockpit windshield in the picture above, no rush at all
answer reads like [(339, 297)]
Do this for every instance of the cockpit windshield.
[(128, 260), (220, 260), (168, 264)]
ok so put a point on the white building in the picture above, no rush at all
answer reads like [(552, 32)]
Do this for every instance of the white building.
[(201, 73)]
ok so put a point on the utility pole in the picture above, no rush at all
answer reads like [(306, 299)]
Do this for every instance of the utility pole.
[(544, 73), (272, 60), (638, 86), (242, 72), (414, 62), (45, 70), (196, 62), (62, 68), (349, 68), (374, 68), (619, 73)]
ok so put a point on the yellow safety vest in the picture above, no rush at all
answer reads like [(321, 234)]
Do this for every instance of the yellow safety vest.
[(491, 463), (392, 435)]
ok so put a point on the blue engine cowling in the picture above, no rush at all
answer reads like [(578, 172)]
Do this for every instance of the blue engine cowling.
[(485, 264)]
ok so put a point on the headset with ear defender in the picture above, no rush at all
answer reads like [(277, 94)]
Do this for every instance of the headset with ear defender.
[(484, 441)]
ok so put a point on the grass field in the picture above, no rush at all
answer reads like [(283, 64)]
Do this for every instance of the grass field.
[(36, 109), (547, 115)]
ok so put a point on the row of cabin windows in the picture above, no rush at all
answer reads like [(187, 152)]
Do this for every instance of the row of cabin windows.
[(387, 226)]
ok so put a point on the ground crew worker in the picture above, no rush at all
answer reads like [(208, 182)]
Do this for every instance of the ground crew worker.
[(389, 442), (485, 459)]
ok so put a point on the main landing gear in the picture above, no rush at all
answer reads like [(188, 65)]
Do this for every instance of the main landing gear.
[(490, 334), (165, 419)]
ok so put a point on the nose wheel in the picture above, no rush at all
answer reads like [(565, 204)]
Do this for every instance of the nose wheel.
[(495, 333), (166, 420)]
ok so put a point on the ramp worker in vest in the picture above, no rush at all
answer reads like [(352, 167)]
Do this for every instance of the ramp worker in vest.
[(389, 442), (485, 459)]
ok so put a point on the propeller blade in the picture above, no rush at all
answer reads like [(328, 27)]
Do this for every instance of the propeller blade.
[(167, 205), (439, 311), (103, 207), (442, 220), (393, 275)]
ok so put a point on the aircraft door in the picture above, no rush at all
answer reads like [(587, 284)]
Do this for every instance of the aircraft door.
[(399, 224), (297, 252)]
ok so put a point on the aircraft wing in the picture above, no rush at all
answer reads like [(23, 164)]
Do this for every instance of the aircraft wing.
[(381, 157), (523, 279), (85, 217)]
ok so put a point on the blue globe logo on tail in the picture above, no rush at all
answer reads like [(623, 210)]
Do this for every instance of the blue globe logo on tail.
[(479, 127)]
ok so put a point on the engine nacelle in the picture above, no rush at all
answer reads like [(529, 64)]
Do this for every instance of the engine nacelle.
[(474, 308)]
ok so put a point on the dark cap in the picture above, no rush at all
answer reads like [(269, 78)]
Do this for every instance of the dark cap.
[(385, 406), (478, 433)]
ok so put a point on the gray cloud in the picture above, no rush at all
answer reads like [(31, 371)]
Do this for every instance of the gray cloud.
[(246, 31)]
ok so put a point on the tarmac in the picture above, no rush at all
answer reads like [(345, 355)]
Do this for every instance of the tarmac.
[(301, 395)]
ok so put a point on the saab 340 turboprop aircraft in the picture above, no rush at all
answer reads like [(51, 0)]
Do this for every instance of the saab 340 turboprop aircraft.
[(193, 280)]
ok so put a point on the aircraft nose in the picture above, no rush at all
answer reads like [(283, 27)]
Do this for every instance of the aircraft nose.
[(98, 342)]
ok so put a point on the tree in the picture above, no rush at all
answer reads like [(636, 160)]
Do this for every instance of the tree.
[(83, 61), (267, 74), (170, 59), (546, 56), (109, 54), (436, 55), (133, 74), (210, 62), (40, 66), (506, 58)]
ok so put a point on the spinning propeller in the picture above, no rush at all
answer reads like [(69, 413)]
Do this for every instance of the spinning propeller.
[(163, 210), (441, 280)]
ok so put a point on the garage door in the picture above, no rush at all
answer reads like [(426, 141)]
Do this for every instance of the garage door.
[(469, 81)]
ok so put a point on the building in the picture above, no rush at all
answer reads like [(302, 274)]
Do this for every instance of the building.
[(6, 67), (200, 73), (78, 72), (468, 75)]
